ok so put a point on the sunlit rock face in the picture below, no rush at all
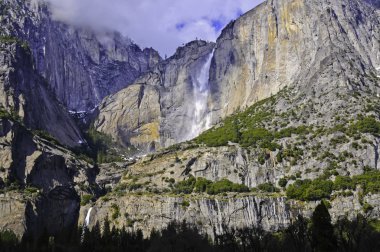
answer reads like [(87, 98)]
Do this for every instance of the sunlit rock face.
[(287, 43), (165, 106), (81, 67)]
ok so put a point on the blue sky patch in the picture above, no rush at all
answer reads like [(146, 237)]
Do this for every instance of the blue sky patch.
[(217, 24), (180, 26)]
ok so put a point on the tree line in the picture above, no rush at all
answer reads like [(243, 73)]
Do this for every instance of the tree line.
[(315, 234)]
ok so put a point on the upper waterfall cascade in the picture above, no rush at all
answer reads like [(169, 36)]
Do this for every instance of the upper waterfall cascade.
[(200, 114)]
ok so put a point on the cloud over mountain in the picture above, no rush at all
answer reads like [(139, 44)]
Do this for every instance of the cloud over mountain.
[(161, 24)]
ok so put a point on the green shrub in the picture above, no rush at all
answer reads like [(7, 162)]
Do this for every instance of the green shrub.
[(46, 135), (85, 199), (268, 187), (321, 188), (186, 186), (31, 189), (134, 186), (8, 239), (115, 211), (366, 125), (101, 147), (369, 181), (367, 207), (8, 39), (225, 185), (246, 128), (171, 180), (261, 159), (283, 182), (288, 132), (339, 140), (343, 183), (308, 190), (202, 184), (185, 204)]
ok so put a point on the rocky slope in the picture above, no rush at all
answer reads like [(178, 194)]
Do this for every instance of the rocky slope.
[(81, 67), (40, 182), (317, 64), (158, 109)]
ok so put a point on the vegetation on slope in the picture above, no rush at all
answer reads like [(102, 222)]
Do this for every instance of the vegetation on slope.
[(308, 190), (248, 129), (201, 185)]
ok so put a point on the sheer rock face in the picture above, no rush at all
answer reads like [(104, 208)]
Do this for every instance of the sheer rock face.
[(290, 43), (25, 93), (156, 110), (211, 215), (48, 178), (80, 66)]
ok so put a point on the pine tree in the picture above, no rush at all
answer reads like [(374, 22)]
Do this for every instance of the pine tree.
[(106, 238), (322, 231)]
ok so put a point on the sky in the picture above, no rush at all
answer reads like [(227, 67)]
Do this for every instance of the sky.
[(161, 24)]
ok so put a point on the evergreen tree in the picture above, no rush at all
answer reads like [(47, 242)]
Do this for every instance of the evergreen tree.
[(322, 231), (296, 236), (106, 238)]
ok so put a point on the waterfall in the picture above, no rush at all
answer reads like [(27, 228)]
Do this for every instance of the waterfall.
[(87, 219), (86, 223), (200, 116)]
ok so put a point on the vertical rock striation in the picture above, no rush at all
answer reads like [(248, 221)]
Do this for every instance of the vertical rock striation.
[(290, 43), (211, 215), (25, 94), (81, 67)]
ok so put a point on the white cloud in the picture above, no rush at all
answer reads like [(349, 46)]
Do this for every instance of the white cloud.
[(161, 24)]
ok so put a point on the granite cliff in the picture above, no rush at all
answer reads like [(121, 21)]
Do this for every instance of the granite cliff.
[(256, 56), (293, 94), (253, 130), (159, 109), (80, 66), (276, 46)]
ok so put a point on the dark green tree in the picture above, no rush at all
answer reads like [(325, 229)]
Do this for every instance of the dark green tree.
[(322, 231)]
